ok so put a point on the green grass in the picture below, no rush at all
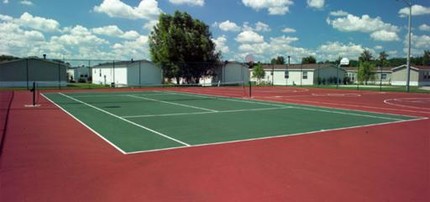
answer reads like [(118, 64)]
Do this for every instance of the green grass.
[(147, 121)]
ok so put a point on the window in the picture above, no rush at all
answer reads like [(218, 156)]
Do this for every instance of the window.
[(383, 76), (287, 74), (426, 75), (305, 75)]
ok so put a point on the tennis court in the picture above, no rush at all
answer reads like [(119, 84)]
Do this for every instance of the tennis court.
[(135, 122)]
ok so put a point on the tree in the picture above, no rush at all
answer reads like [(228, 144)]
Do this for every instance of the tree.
[(366, 56), (258, 72), (383, 56), (7, 57), (280, 60), (366, 72), (309, 60), (182, 46), (426, 57)]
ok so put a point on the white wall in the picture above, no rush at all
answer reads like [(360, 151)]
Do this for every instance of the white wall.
[(128, 74), (102, 75), (235, 72)]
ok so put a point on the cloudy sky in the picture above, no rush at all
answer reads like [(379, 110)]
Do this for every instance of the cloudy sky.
[(119, 29)]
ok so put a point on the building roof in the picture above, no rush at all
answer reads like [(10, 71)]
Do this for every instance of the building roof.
[(378, 69), (33, 58), (297, 66), (413, 67), (124, 62)]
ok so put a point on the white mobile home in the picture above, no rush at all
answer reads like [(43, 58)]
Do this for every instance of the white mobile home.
[(127, 73), (79, 74), (300, 74), (382, 75), (419, 76)]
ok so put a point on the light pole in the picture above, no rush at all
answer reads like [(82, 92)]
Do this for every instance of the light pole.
[(408, 60)]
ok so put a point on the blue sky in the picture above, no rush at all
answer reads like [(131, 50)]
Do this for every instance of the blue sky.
[(119, 29)]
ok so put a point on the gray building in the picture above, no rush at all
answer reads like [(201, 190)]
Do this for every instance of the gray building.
[(23, 72), (382, 75), (419, 75)]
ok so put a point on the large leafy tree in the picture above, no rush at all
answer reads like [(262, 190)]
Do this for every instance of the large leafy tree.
[(383, 56), (309, 60), (366, 56), (280, 60), (258, 72), (426, 57), (366, 72), (183, 47)]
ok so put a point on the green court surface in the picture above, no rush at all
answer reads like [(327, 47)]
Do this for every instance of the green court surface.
[(135, 122)]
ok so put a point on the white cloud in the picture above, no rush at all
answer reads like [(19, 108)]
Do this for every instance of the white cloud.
[(80, 36), (115, 31), (26, 2), (378, 47), (288, 30), (5, 1), (147, 9), (364, 23), (416, 10), (111, 30), (425, 27), (334, 50), (419, 44), (188, 2), (130, 35), (249, 37), (276, 47), (137, 48), (378, 29), (275, 7), (283, 40), (229, 26), (5, 18), (21, 42), (71, 42), (258, 27), (318, 4), (221, 44), (339, 13), (39, 23), (383, 35), (262, 27)]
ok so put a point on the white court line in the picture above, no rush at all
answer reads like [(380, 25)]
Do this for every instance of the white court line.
[(360, 106), (120, 94), (198, 113), (273, 137), (312, 108), (86, 126), (125, 120), (172, 103), (388, 102), (228, 99)]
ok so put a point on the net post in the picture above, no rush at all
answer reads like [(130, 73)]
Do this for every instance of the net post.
[(250, 89), (33, 90)]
